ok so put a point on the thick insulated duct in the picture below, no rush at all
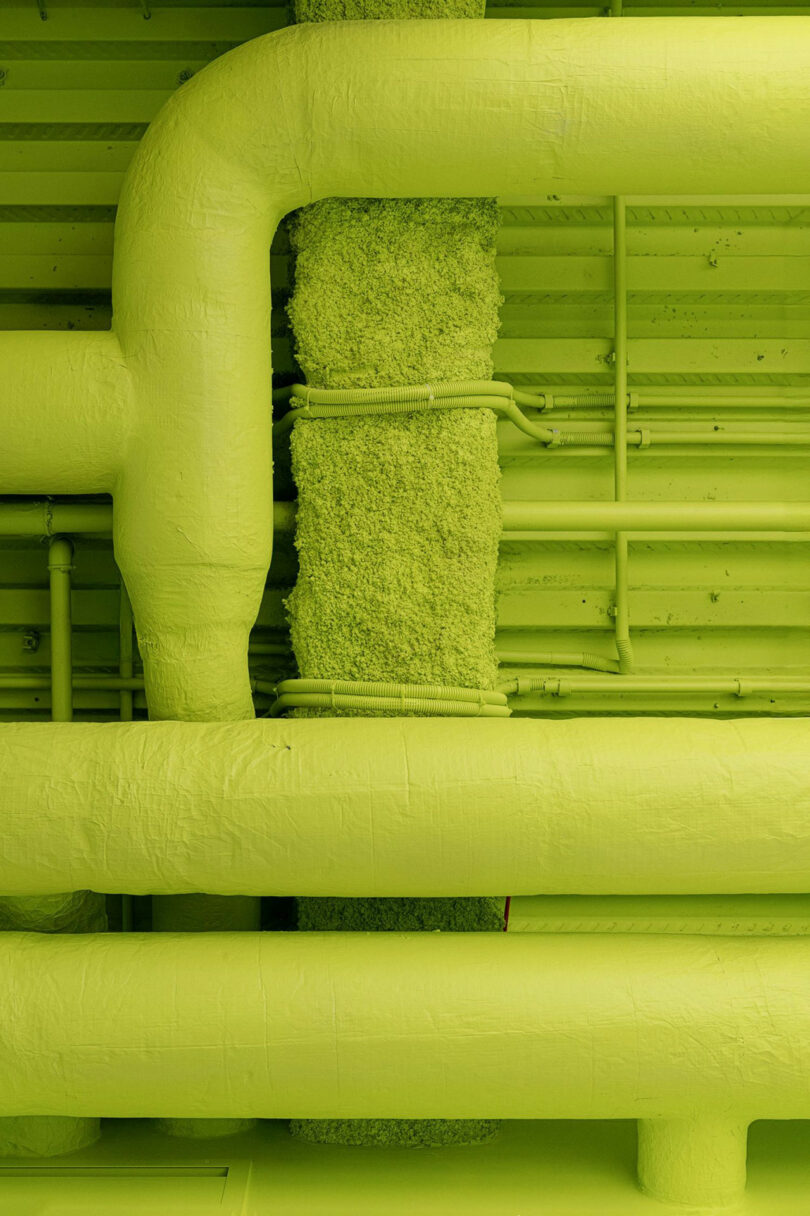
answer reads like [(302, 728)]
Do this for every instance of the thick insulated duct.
[(387, 807), (421, 1025), (76, 912), (179, 394)]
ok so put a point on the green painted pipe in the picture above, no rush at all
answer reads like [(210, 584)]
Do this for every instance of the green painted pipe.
[(60, 565), (44, 518), (101, 683), (653, 516), (126, 648), (520, 107), (423, 807), (344, 1025), (561, 686), (596, 516), (698, 400), (621, 558)]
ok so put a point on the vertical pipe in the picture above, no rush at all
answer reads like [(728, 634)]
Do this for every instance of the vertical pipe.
[(125, 701), (60, 565), (694, 1162), (621, 612), (125, 652)]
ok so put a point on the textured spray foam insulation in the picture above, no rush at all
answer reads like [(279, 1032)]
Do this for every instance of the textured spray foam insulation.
[(394, 10), (399, 517)]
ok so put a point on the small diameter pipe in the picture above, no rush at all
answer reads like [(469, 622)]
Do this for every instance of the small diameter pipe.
[(621, 608), (324, 404), (431, 699), (556, 686), (315, 403), (60, 565), (649, 437), (641, 400), (519, 516), (43, 518), (561, 659), (99, 683), (125, 652), (538, 517)]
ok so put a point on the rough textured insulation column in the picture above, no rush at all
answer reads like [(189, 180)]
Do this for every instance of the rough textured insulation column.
[(399, 518), (73, 912)]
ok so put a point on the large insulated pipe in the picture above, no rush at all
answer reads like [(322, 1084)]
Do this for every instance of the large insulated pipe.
[(320, 1025), (381, 807), (180, 392)]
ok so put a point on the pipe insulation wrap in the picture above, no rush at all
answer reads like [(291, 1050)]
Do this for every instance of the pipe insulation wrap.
[(364, 807), (66, 912), (413, 1025), (353, 109)]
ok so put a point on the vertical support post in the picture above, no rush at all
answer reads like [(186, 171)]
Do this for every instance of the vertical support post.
[(694, 1162), (125, 652), (621, 613), (60, 565)]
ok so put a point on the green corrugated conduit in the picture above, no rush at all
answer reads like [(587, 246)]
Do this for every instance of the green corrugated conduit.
[(424, 699), (412, 399), (313, 403)]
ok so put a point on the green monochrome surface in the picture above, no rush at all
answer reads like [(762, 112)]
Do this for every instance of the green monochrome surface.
[(612, 219)]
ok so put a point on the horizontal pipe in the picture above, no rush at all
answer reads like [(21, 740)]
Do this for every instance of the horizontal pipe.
[(103, 683), (700, 400), (656, 516), (414, 1025), (44, 518), (387, 807), (68, 412), (549, 685), (736, 686)]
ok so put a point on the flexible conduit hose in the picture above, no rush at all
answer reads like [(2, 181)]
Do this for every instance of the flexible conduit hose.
[(506, 400), (417, 398), (318, 403), (423, 699), (559, 659)]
